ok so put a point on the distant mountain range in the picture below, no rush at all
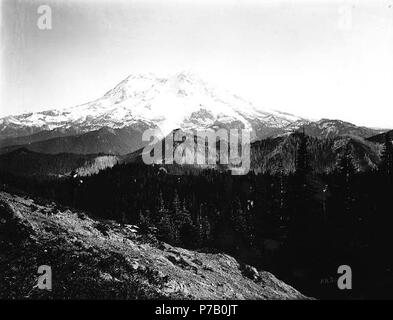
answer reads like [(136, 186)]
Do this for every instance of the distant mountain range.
[(23, 162), (273, 155), (381, 138), (278, 154), (114, 124), (104, 140), (326, 128)]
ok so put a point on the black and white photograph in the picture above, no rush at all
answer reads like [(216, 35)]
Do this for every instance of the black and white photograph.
[(218, 151)]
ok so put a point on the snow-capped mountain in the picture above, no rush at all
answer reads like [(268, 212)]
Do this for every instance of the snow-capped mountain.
[(180, 101), (114, 123)]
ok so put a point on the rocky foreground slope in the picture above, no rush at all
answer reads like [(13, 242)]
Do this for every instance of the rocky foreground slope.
[(104, 259)]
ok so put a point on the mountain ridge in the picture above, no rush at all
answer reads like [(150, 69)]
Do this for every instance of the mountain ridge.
[(27, 163)]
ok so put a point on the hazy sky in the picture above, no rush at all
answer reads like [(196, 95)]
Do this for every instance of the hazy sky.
[(331, 59)]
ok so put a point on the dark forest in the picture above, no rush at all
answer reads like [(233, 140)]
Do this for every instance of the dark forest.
[(301, 225)]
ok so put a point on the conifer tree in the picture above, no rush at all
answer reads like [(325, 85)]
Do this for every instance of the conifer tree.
[(345, 165), (346, 171), (301, 193), (302, 159), (387, 156)]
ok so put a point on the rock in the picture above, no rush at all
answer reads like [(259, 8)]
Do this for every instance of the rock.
[(14, 228), (106, 276), (173, 286), (8, 213), (250, 272), (134, 265), (132, 228)]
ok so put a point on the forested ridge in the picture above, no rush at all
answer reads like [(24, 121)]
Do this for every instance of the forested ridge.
[(299, 224)]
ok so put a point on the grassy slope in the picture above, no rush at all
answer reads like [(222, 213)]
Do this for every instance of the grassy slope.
[(103, 259)]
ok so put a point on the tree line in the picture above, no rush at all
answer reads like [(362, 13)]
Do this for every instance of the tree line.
[(300, 226)]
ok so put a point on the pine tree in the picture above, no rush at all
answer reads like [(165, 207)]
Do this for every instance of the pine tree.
[(346, 171), (301, 194), (345, 165), (387, 156), (302, 161)]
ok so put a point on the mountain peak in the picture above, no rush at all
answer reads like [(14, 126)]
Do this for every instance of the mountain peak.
[(182, 100), (187, 76)]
